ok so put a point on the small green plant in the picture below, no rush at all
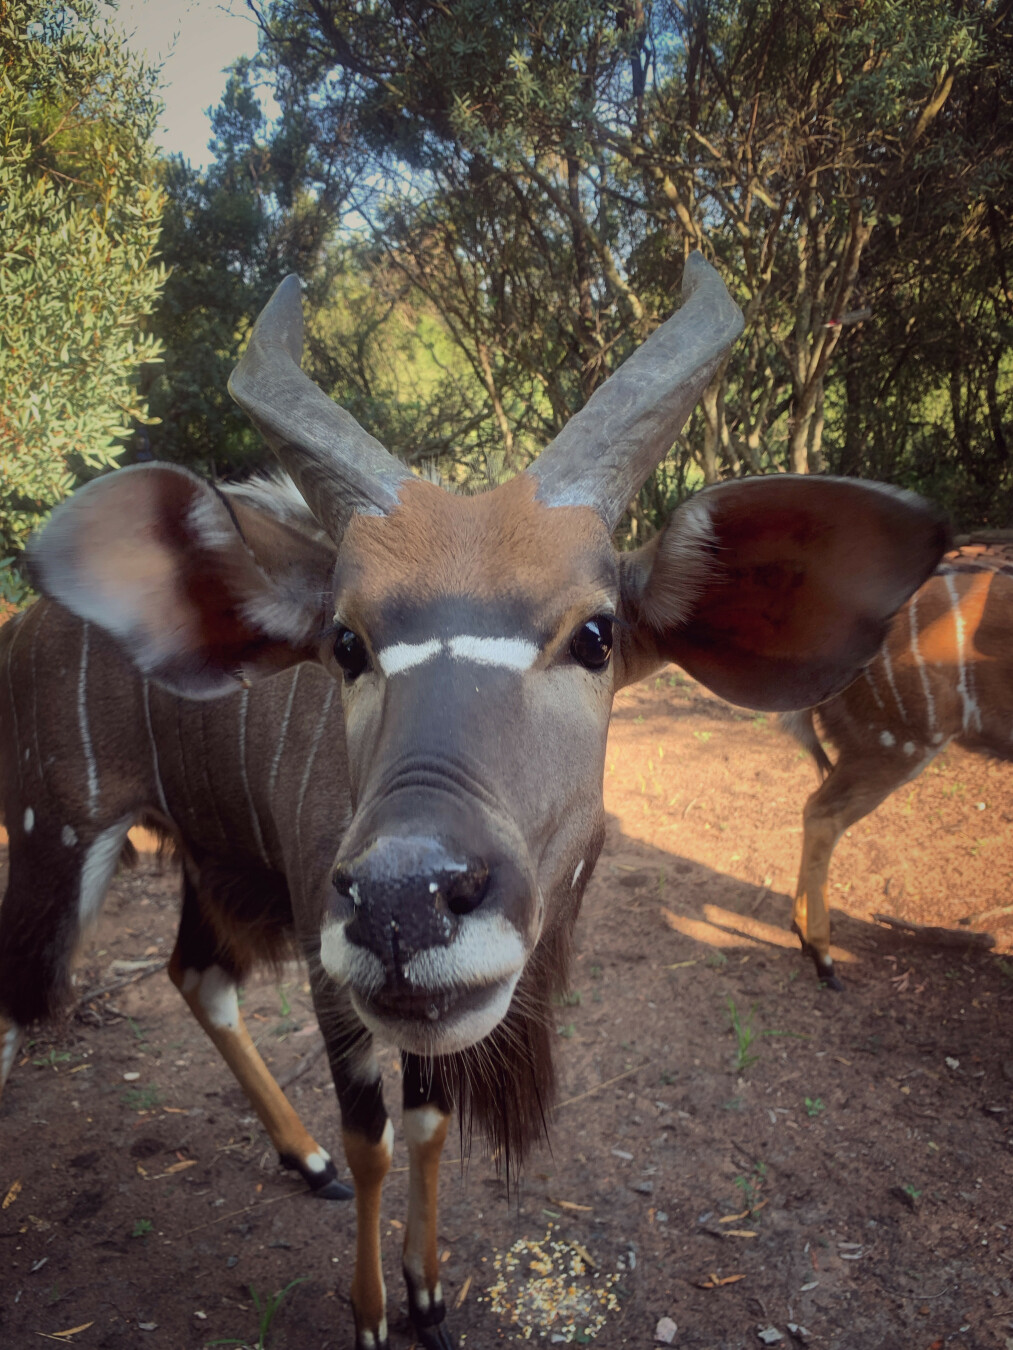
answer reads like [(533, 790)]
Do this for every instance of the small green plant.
[(142, 1227), (51, 1060), (1006, 968), (716, 960), (752, 1186), (267, 1310), (283, 1001), (139, 1035), (567, 1031), (142, 1099), (703, 736), (744, 1035), (814, 1106), (910, 1191), (571, 999)]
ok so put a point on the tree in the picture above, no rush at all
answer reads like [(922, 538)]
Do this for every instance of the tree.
[(81, 208)]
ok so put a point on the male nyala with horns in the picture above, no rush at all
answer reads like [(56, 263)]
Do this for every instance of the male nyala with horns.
[(419, 801)]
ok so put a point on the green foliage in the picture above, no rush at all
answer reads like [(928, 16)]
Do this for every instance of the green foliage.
[(81, 209)]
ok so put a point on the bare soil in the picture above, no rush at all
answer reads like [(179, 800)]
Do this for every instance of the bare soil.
[(840, 1163)]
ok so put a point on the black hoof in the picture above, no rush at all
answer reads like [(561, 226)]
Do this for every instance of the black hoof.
[(325, 1185), (828, 979), (435, 1338), (825, 972)]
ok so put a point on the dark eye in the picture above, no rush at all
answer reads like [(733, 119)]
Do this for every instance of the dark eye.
[(592, 643), (350, 653)]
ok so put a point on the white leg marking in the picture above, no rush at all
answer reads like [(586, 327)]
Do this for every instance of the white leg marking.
[(216, 994), (244, 705), (513, 653), (97, 869), (154, 749), (402, 656), (387, 1139), (317, 1162), (279, 749), (888, 668), (930, 705), (971, 711), (8, 1052), (576, 874), (421, 1124), (29, 820), (82, 719), (886, 739)]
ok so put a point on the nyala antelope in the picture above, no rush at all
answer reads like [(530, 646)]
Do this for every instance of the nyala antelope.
[(943, 674), (405, 773)]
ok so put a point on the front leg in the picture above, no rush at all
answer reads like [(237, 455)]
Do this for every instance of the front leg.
[(427, 1106), (368, 1138)]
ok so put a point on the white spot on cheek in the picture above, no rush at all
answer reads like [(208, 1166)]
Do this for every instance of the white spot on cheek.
[(68, 836), (576, 875), (29, 820), (887, 739), (909, 747)]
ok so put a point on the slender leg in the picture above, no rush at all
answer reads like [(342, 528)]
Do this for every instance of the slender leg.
[(368, 1138), (851, 791), (209, 987), (427, 1108)]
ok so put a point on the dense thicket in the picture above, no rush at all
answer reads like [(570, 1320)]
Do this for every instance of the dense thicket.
[(80, 209)]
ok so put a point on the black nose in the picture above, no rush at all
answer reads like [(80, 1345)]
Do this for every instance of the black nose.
[(403, 894)]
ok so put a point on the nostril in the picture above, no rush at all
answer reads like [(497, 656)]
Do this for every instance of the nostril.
[(346, 886), (464, 891)]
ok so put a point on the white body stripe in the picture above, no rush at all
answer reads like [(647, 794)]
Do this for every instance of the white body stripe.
[(873, 690), (82, 720), (279, 749), (508, 653), (930, 704), (154, 748), (888, 667), (29, 820), (576, 874), (244, 706), (307, 772), (971, 711), (97, 869)]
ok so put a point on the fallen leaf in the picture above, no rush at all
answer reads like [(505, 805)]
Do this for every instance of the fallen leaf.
[(740, 1232), (72, 1331), (569, 1204), (584, 1255), (11, 1195), (716, 1281), (463, 1293), (732, 1218)]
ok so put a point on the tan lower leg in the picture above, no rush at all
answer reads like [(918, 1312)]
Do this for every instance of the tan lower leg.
[(370, 1163), (425, 1130), (811, 913), (211, 997)]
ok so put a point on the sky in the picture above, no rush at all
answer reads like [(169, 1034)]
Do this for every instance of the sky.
[(196, 40)]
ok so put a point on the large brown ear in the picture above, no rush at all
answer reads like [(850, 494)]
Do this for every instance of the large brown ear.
[(774, 592), (155, 556)]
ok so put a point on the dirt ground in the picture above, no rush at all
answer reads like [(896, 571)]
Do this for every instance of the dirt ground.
[(758, 1160)]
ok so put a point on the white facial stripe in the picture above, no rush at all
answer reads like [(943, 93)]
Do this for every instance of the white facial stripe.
[(509, 653), (512, 653), (486, 950), (404, 656)]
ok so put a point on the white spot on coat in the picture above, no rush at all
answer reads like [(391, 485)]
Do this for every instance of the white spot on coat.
[(68, 836), (29, 820), (909, 747), (886, 739)]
